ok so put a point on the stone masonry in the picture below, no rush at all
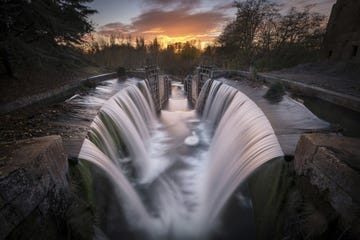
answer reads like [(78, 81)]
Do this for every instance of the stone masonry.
[(342, 39)]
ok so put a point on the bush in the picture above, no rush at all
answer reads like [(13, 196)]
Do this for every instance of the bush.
[(275, 92), (121, 72)]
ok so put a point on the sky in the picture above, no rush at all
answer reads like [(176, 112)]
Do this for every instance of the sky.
[(176, 20)]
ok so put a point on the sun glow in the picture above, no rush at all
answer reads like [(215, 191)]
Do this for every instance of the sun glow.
[(102, 40)]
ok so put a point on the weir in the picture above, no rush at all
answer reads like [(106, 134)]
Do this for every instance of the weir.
[(169, 190)]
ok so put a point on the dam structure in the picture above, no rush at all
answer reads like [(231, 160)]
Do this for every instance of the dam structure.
[(152, 156), (174, 171)]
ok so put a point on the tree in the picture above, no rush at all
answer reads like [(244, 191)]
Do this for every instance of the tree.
[(154, 49), (189, 51), (261, 35), (40, 31), (242, 31)]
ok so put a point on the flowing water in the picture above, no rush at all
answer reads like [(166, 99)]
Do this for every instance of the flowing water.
[(168, 189)]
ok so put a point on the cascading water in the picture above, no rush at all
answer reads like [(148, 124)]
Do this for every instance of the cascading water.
[(243, 141), (185, 193)]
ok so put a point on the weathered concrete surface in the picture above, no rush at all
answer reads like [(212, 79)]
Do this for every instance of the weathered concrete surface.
[(33, 186), (331, 163)]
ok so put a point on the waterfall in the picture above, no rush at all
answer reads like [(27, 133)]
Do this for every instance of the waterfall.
[(128, 143), (218, 100), (124, 129), (135, 209), (244, 140)]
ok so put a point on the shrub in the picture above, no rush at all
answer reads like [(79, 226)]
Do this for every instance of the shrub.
[(275, 92), (121, 72)]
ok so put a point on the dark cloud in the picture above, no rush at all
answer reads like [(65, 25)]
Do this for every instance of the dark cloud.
[(165, 2), (224, 6), (115, 28), (183, 4)]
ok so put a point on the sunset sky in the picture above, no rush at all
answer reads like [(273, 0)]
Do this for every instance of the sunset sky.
[(176, 20)]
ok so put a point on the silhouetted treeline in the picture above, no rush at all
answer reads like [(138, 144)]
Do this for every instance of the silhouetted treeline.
[(176, 59), (41, 34), (47, 34), (264, 37)]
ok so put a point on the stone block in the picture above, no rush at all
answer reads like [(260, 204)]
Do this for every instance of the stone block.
[(35, 171), (331, 164)]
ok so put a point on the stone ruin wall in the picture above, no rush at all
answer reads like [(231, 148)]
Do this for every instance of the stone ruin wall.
[(342, 39)]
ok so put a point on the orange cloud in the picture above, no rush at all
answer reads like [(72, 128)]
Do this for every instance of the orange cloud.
[(178, 24)]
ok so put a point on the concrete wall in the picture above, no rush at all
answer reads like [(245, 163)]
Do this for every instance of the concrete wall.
[(164, 89), (339, 99), (160, 86), (336, 98), (193, 83), (191, 89), (54, 94)]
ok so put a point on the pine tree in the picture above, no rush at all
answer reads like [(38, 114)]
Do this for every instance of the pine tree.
[(41, 31)]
